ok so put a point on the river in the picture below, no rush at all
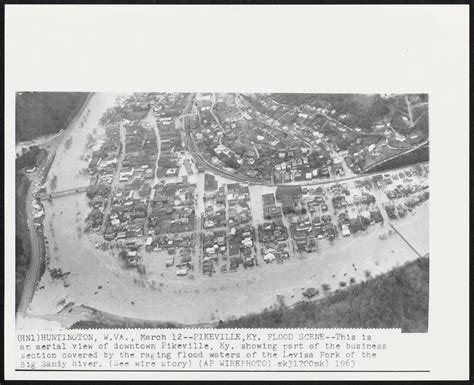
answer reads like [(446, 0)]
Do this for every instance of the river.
[(96, 278)]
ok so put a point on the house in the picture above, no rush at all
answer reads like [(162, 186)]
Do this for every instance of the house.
[(268, 199), (346, 232)]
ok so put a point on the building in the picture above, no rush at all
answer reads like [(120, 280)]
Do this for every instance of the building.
[(288, 195)]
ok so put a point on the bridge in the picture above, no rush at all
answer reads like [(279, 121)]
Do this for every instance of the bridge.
[(62, 193)]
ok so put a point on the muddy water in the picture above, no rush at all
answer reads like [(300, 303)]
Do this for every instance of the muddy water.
[(97, 279), (163, 296), (69, 161), (64, 217)]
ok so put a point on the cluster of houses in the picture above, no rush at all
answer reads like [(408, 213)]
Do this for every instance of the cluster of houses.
[(282, 154), (292, 204), (214, 247), (126, 207), (141, 150), (104, 162), (172, 208), (405, 196), (219, 141), (170, 145), (318, 208), (132, 146), (229, 240), (131, 256), (242, 249), (98, 195), (299, 168), (301, 230), (270, 210), (354, 210), (272, 234), (214, 197), (128, 212), (164, 213), (241, 232), (238, 200)]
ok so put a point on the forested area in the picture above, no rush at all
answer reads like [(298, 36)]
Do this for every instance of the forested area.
[(22, 240), (42, 113), (398, 299)]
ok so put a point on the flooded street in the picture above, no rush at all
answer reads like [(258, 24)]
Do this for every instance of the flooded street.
[(81, 274), (98, 280)]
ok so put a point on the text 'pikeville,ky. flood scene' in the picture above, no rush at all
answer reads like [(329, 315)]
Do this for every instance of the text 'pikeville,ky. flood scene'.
[(222, 210)]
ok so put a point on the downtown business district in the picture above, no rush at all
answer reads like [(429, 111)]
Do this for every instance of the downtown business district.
[(158, 150)]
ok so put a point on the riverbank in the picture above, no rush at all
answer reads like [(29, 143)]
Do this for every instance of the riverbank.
[(82, 276), (397, 299), (22, 239), (40, 114), (164, 297)]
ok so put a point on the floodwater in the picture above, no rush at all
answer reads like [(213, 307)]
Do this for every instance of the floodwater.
[(70, 161), (96, 278)]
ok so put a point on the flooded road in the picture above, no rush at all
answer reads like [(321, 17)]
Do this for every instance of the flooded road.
[(98, 280), (88, 276)]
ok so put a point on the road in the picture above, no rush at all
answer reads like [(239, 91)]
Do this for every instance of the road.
[(37, 247), (32, 274), (192, 148), (115, 180)]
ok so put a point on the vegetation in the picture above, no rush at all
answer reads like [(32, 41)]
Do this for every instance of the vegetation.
[(119, 113), (45, 113), (28, 158), (419, 155), (22, 240), (398, 299), (123, 324), (101, 320), (364, 110)]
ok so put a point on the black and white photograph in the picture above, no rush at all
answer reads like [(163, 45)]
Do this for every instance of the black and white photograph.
[(236, 192), (254, 210)]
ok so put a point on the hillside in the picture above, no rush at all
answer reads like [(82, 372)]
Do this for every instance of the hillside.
[(398, 299), (43, 113), (22, 239)]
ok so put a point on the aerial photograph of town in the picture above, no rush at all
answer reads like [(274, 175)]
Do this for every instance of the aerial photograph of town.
[(232, 210)]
